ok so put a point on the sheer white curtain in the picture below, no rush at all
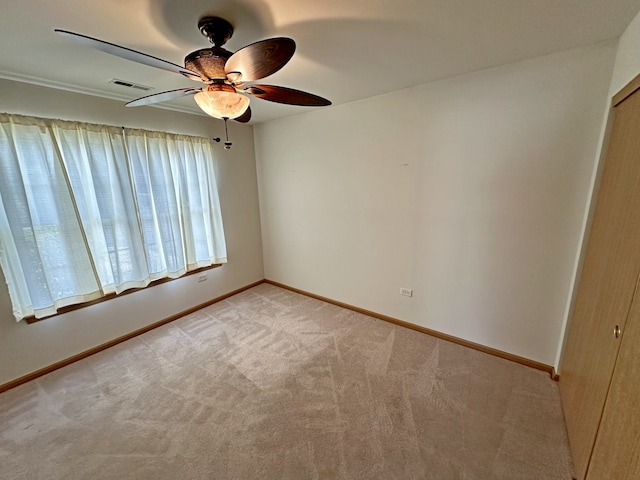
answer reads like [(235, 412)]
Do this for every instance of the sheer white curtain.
[(87, 210), (95, 161), (175, 176), (44, 255)]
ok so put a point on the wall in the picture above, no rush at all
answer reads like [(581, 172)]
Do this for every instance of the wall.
[(626, 68), (627, 64), (26, 348), (471, 191)]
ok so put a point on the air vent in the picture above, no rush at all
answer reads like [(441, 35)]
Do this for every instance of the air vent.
[(125, 83)]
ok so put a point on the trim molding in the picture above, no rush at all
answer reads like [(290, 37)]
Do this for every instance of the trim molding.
[(110, 296), (626, 91), (434, 333), (68, 87), (111, 343)]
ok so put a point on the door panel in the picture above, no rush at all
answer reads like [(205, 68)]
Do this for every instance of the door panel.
[(606, 286), (616, 455)]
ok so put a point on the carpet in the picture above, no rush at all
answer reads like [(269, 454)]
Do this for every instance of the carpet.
[(270, 384)]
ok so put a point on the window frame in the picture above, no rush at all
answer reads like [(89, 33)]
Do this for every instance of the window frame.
[(111, 296), (108, 294)]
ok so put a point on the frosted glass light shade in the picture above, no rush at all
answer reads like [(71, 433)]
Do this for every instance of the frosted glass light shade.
[(222, 101)]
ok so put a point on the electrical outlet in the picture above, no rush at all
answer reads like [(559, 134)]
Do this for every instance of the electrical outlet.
[(407, 292), (202, 277)]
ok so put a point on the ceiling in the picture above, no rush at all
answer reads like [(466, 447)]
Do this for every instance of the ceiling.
[(346, 50)]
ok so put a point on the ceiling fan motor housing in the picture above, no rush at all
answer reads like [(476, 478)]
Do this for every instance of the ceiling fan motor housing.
[(216, 29), (226, 73), (208, 62)]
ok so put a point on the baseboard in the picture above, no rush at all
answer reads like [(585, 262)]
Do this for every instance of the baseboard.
[(128, 336), (434, 333)]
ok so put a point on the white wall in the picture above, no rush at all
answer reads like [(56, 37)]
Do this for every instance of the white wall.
[(471, 191), (626, 68), (26, 348), (627, 64)]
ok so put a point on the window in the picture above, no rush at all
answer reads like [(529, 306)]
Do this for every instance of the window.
[(88, 210)]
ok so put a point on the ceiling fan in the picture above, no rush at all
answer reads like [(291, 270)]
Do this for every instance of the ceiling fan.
[(226, 74)]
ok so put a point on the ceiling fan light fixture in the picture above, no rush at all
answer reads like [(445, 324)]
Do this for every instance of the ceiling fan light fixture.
[(222, 101), (226, 74)]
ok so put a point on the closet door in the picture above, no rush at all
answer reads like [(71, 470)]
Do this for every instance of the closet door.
[(616, 455), (606, 287)]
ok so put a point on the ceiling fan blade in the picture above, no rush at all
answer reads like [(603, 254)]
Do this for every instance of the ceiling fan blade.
[(127, 53), (260, 59), (245, 117), (287, 95), (162, 97)]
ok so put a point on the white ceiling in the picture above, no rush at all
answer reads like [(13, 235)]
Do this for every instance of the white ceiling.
[(346, 49)]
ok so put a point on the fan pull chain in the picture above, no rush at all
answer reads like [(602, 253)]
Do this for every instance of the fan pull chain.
[(227, 144)]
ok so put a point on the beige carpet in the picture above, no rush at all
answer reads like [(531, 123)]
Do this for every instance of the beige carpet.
[(270, 384)]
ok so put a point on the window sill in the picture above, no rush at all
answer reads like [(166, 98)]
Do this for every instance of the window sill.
[(111, 296)]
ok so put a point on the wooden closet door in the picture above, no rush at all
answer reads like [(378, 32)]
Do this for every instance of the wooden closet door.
[(616, 455), (606, 287)]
